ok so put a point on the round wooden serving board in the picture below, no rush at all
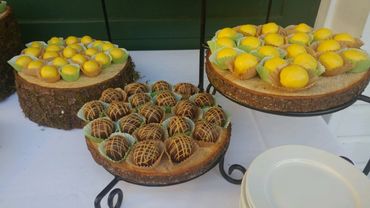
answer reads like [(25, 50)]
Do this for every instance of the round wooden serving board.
[(56, 104), (328, 92), (166, 173)]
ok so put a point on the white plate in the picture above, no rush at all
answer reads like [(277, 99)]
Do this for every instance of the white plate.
[(296, 176)]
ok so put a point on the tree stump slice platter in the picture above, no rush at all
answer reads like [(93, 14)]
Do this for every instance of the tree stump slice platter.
[(56, 104), (10, 45), (327, 93)]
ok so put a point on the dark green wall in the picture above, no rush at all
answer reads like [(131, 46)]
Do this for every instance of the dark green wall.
[(151, 24)]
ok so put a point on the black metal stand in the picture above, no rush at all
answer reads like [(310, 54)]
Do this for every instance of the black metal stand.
[(112, 193), (106, 21)]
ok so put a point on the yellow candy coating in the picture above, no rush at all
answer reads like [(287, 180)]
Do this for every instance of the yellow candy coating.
[(54, 40), (102, 58), (244, 62), (69, 69), (251, 42), (274, 63), (76, 46), (91, 51), (270, 27), (331, 60), (50, 55), (269, 51), (49, 72), (35, 64), (322, 34), (86, 40), (226, 52), (35, 44), (226, 42), (32, 51), (328, 45), (306, 61), (344, 37), (107, 46), (355, 55), (294, 76), (79, 59), (71, 40), (226, 33), (300, 37), (248, 29), (295, 49), (116, 53), (59, 61), (302, 27), (53, 48), (274, 39), (68, 52), (23, 61)]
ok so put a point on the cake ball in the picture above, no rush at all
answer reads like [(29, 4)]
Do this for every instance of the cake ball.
[(150, 132), (179, 147), (152, 113), (93, 110), (117, 110), (216, 116), (116, 147), (185, 89), (178, 125), (161, 86), (186, 108), (204, 99), (166, 98), (136, 87), (139, 99), (130, 123), (146, 153), (205, 132), (102, 128), (109, 95)]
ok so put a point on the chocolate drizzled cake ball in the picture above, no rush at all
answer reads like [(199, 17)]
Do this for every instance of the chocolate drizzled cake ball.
[(179, 147), (216, 116), (152, 113), (150, 132), (161, 86), (185, 89), (146, 153), (186, 108), (109, 95), (117, 110), (93, 110), (136, 87), (116, 147), (166, 98), (178, 125), (204, 99), (139, 99), (130, 123), (206, 132), (102, 128)]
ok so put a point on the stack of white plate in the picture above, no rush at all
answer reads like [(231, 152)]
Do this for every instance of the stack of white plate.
[(295, 176)]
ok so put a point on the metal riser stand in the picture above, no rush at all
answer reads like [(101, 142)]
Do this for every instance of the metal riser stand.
[(115, 196)]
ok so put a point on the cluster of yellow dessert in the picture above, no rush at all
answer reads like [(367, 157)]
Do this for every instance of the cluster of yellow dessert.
[(291, 57), (64, 58)]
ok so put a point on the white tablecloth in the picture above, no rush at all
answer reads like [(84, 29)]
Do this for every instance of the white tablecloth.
[(44, 167)]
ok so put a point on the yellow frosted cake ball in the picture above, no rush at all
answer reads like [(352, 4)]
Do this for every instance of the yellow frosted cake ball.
[(294, 76), (71, 40), (274, 39), (250, 42), (248, 29), (68, 52), (270, 27), (91, 68), (59, 61), (49, 72), (91, 52), (328, 45), (54, 41), (35, 64), (79, 59), (50, 55), (69, 69), (344, 37), (300, 38), (53, 48), (116, 53), (322, 34), (23, 61), (274, 63), (102, 58), (86, 40), (303, 27), (295, 49), (306, 61), (331, 60), (32, 51), (107, 46), (268, 51), (244, 62), (226, 52), (36, 44), (225, 42), (76, 46), (355, 55), (226, 33)]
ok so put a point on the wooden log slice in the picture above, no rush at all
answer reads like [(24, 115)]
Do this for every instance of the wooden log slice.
[(56, 104), (10, 45), (166, 173), (327, 93)]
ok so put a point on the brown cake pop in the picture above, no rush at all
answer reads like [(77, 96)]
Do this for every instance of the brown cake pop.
[(166, 98), (204, 99), (116, 147), (185, 89), (130, 123), (136, 87), (102, 128), (185, 108), (179, 147), (109, 95), (93, 110), (152, 113), (117, 110), (161, 86), (146, 153), (139, 99), (178, 125), (215, 115), (150, 132), (206, 132)]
